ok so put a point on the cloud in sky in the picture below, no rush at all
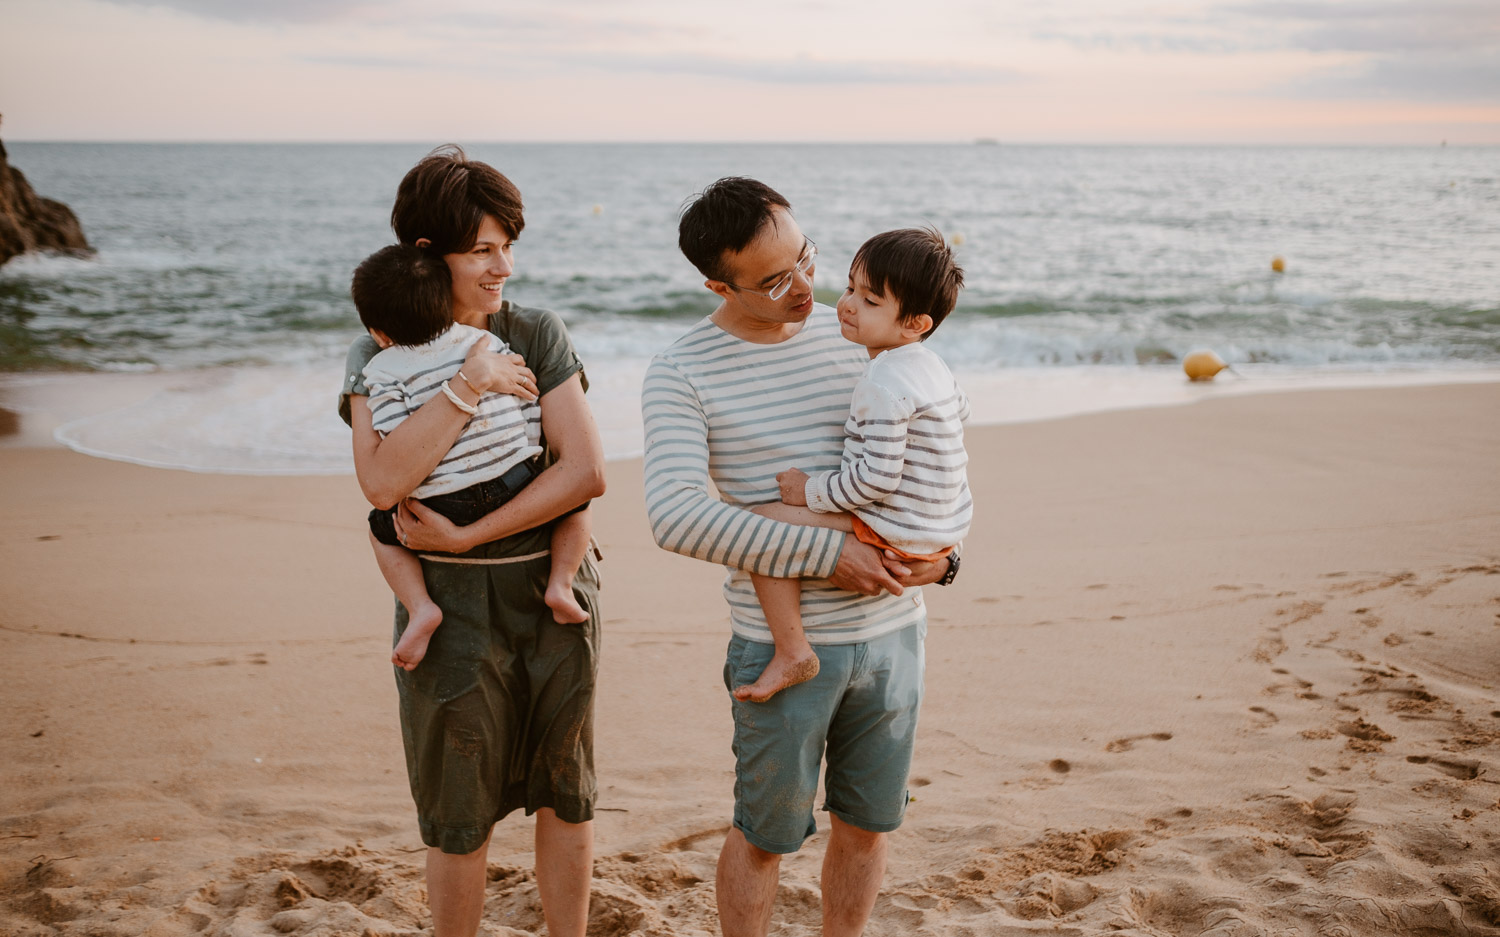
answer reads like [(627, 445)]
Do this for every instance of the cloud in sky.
[(801, 70), (1384, 27), (1095, 70), (1415, 50), (260, 11)]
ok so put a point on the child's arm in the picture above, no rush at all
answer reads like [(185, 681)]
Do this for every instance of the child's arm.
[(875, 461)]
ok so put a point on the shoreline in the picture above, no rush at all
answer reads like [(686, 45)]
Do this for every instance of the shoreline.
[(191, 420), (1223, 665)]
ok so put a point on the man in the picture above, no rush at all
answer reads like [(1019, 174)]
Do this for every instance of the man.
[(761, 385)]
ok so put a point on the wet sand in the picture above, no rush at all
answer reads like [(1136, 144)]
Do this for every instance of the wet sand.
[(1227, 669)]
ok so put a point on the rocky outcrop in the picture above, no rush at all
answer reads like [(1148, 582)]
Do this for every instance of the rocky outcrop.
[(29, 222)]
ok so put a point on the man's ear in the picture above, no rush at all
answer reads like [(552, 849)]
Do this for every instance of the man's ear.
[(917, 326), (720, 287), (381, 339)]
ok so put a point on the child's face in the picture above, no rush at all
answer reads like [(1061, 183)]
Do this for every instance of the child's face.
[(870, 319)]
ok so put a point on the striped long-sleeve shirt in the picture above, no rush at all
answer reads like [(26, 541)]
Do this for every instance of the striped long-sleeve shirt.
[(504, 433), (726, 414), (904, 461)]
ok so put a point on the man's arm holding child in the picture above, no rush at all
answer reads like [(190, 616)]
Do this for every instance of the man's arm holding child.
[(686, 518)]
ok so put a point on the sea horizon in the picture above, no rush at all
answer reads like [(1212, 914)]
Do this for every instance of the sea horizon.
[(1088, 265)]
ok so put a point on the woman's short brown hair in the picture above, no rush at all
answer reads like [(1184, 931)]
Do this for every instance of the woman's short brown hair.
[(445, 197)]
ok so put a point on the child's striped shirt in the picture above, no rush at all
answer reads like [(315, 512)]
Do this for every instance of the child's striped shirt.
[(719, 410), (504, 433)]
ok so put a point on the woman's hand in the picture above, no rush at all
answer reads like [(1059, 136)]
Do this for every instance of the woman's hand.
[(488, 371), (421, 528)]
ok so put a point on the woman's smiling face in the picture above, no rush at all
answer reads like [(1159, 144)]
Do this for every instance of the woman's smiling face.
[(479, 273)]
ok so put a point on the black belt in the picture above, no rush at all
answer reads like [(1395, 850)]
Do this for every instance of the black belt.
[(520, 475)]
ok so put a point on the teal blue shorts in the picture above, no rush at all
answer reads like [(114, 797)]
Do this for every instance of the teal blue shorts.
[(862, 706)]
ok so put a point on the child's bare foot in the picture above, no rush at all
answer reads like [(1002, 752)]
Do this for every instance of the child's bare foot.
[(784, 670), (421, 623), (565, 608)]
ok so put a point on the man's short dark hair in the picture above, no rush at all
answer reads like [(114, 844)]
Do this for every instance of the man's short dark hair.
[(445, 197), (405, 292), (725, 218), (916, 266)]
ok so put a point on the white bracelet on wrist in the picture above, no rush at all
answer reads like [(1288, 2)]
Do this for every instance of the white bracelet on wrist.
[(456, 400)]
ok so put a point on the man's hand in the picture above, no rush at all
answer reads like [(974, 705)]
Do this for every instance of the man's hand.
[(421, 528), (861, 570), (914, 572), (793, 483)]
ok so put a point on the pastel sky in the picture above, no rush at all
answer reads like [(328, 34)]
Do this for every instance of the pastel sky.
[(1179, 71)]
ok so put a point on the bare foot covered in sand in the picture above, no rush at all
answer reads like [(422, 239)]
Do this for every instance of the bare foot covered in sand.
[(565, 608), (421, 623), (784, 670)]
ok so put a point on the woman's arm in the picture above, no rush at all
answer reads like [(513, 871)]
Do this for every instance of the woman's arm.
[(577, 476), (391, 468)]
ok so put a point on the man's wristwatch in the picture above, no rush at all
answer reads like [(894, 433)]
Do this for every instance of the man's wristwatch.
[(952, 572)]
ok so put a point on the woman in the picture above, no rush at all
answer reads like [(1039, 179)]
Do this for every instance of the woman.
[(499, 715)]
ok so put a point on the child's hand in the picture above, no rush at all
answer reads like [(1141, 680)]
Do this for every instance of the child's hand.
[(503, 374), (793, 484)]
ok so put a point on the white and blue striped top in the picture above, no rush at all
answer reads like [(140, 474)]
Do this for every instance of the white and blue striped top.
[(904, 471), (722, 410), (504, 433)]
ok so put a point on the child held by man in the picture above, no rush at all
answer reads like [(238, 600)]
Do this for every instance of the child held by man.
[(902, 485), (403, 295)]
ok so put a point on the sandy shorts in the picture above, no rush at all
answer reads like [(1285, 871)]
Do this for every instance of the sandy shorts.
[(500, 713), (862, 705)]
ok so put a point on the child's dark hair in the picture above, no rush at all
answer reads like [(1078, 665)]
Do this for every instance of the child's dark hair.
[(445, 197), (916, 267), (726, 216), (405, 292)]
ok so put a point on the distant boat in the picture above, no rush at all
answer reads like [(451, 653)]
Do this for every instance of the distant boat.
[(986, 141)]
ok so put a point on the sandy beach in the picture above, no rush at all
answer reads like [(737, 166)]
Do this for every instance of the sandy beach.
[(1227, 669)]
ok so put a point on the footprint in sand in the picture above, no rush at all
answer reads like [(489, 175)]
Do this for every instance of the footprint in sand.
[(690, 841), (1300, 688), (1060, 766), (1264, 717), (1453, 767), (1127, 743), (1364, 736)]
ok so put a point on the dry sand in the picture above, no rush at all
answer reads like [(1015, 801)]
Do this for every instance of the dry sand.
[(1228, 670)]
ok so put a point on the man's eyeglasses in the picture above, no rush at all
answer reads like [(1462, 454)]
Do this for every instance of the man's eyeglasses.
[(780, 287)]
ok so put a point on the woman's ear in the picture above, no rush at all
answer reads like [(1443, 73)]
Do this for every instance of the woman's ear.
[(424, 242)]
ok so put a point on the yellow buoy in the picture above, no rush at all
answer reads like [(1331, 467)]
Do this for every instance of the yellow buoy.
[(1202, 365), (598, 209), (1278, 265), (956, 239)]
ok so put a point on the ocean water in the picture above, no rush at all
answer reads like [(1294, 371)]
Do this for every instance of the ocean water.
[(221, 278)]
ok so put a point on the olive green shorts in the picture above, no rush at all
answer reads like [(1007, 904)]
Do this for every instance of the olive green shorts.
[(499, 714)]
